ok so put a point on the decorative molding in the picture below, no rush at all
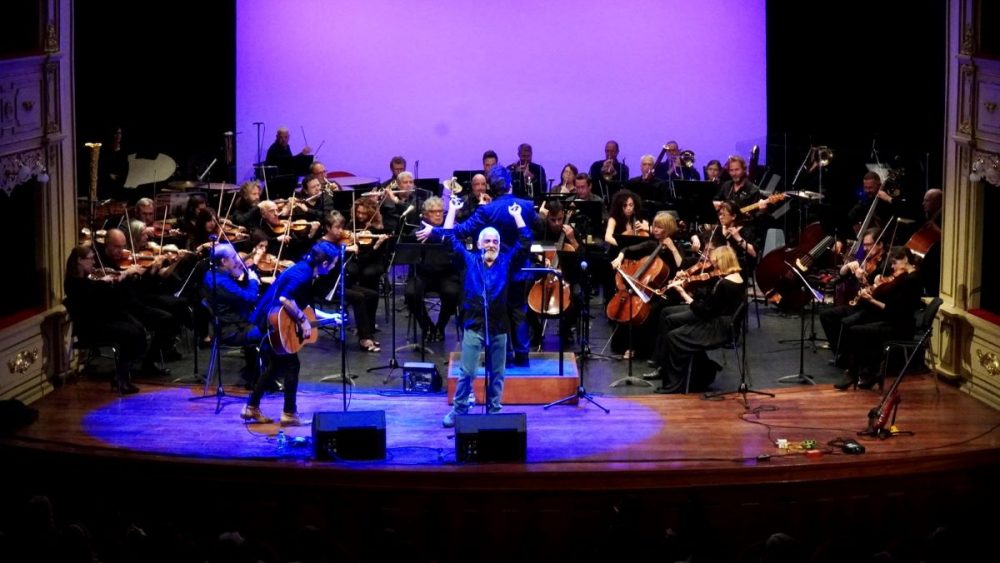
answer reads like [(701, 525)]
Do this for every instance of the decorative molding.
[(51, 98), (18, 168), (51, 38), (23, 361), (966, 91), (968, 41), (990, 362)]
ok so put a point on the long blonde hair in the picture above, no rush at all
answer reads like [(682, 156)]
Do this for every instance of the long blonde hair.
[(725, 260)]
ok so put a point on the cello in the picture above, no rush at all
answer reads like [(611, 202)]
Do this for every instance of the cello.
[(545, 297), (627, 307)]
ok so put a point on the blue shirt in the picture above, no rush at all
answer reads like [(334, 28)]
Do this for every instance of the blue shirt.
[(495, 214), (493, 278), (295, 283), (233, 300)]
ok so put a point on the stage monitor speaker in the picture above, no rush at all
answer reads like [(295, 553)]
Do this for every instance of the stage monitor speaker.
[(492, 437), (421, 377), (354, 435)]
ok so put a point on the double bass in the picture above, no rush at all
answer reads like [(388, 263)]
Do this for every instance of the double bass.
[(779, 284), (649, 272)]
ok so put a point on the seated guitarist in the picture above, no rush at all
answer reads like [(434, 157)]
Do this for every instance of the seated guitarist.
[(292, 291)]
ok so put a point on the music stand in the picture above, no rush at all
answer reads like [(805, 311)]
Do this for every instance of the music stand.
[(695, 201), (434, 254), (400, 251), (593, 211), (649, 191), (464, 177), (343, 200), (814, 296), (744, 386), (432, 185)]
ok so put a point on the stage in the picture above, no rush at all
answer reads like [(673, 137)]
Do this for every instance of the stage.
[(655, 462)]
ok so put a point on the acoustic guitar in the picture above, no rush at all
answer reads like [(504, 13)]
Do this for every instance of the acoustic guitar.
[(285, 334)]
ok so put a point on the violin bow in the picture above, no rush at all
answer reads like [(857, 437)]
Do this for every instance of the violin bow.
[(891, 240), (131, 240), (163, 231)]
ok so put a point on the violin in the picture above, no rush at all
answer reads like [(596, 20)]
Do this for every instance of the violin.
[(687, 281), (103, 275), (296, 226), (269, 265), (877, 289)]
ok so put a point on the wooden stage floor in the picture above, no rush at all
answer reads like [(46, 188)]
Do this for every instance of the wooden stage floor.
[(595, 486), (646, 441)]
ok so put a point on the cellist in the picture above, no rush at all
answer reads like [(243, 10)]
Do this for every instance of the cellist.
[(663, 228), (553, 229)]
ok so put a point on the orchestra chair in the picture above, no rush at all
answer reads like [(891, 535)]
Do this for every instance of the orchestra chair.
[(921, 338), (218, 348), (91, 345), (734, 342)]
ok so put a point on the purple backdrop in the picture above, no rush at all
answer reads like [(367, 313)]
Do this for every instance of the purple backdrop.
[(440, 81)]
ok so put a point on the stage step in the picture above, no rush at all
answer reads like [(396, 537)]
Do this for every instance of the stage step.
[(537, 384)]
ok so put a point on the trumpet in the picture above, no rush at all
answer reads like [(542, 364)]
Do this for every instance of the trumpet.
[(687, 158)]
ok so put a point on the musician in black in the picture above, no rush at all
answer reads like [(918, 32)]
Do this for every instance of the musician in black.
[(739, 189), (362, 300), (527, 178), (863, 270), (894, 300), (549, 230), (477, 196), (292, 291), (661, 241), (687, 331), (441, 278), (646, 184), (609, 173), (886, 207), (280, 149)]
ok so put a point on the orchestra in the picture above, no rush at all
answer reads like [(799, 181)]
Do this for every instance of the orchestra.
[(154, 256)]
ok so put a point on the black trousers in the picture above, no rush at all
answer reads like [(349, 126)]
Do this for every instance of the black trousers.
[(284, 366), (418, 286)]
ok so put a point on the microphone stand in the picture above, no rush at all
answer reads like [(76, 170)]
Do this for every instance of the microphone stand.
[(341, 286), (581, 391), (215, 359), (488, 371)]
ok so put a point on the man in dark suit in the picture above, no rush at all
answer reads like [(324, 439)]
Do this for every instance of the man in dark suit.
[(527, 177), (609, 174), (496, 215)]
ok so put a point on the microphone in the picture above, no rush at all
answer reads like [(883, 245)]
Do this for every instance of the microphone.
[(409, 210), (583, 265), (205, 173), (213, 238), (258, 122)]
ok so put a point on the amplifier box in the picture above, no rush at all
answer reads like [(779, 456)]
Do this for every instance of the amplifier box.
[(357, 435), (491, 437)]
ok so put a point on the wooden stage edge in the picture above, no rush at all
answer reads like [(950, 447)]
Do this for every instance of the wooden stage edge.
[(691, 443)]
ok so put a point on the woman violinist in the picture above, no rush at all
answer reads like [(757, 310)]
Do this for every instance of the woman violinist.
[(362, 300), (662, 244), (854, 274), (701, 323), (367, 267), (97, 306), (893, 301)]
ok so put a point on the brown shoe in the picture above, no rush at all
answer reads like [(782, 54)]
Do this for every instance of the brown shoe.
[(253, 414), (290, 419)]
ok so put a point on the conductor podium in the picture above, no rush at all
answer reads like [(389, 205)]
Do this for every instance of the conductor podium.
[(538, 384)]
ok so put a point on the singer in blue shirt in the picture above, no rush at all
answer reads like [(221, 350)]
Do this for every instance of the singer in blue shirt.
[(484, 304)]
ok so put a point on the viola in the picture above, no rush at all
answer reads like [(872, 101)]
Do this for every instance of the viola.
[(269, 265), (296, 226), (879, 289)]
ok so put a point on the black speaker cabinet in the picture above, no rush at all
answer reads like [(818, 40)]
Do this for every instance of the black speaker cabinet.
[(492, 437), (357, 435)]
